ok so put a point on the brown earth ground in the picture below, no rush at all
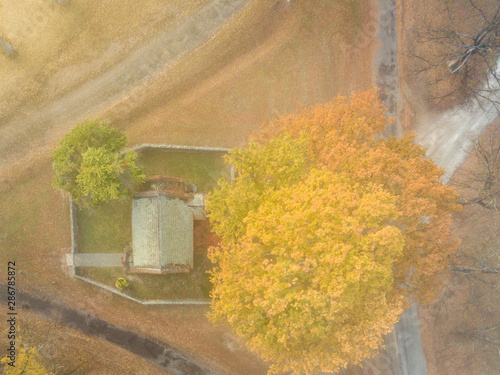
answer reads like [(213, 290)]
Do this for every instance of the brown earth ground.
[(269, 60), (66, 351), (466, 304), (424, 91), (447, 351)]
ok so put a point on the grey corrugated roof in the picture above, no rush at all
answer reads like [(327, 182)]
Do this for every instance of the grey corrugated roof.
[(162, 232)]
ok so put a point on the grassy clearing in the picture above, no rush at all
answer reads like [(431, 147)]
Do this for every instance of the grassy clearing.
[(158, 287), (201, 168), (107, 229), (153, 287)]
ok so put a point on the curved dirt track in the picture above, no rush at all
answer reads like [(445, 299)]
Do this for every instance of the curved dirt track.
[(140, 67), (447, 136)]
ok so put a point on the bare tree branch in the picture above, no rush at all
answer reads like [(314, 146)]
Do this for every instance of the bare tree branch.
[(483, 179), (462, 55)]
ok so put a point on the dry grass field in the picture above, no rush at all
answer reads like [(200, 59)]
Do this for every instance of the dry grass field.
[(462, 306), (273, 58), (62, 46), (269, 60), (65, 350)]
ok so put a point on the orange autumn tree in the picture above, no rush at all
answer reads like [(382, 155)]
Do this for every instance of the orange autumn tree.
[(325, 230)]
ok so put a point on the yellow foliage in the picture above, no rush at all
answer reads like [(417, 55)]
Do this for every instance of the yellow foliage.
[(26, 363), (344, 139), (324, 229)]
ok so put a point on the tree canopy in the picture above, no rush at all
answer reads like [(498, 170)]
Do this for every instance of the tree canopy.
[(27, 362), (326, 230), (90, 166)]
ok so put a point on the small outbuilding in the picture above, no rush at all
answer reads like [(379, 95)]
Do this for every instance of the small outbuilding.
[(162, 227)]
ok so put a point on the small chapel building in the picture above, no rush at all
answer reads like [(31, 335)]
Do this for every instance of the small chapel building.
[(162, 226)]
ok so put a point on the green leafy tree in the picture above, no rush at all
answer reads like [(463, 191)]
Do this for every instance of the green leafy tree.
[(325, 231), (89, 164)]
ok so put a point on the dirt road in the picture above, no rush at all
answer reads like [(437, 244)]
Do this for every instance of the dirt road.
[(404, 355), (386, 63), (448, 135)]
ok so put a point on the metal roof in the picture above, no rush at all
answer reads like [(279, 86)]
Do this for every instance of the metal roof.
[(162, 232)]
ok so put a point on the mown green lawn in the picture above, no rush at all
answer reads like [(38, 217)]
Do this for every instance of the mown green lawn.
[(107, 229), (195, 285), (200, 168)]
